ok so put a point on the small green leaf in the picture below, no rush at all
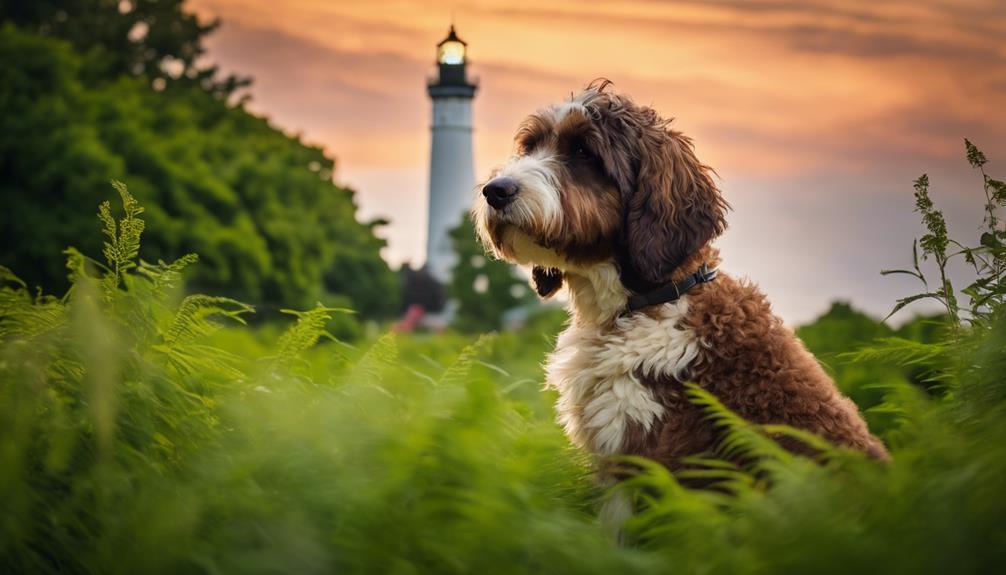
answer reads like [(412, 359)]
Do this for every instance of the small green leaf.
[(905, 301), (905, 272)]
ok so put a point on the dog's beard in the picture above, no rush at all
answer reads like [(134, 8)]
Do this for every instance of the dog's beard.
[(517, 246), (522, 231)]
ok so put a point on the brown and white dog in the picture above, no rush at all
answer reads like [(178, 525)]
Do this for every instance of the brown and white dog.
[(603, 196)]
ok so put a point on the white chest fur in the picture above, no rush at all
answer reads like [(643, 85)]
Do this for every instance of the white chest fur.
[(596, 372)]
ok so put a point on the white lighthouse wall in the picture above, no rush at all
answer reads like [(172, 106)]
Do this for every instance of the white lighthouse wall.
[(452, 179)]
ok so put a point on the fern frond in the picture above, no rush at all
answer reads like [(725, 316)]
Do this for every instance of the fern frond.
[(13, 293), (725, 475), (730, 480), (193, 318), (304, 334), (164, 276), (9, 277), (382, 355), (645, 476), (901, 303), (74, 265), (493, 367), (22, 316), (458, 371), (897, 350), (708, 462), (665, 503), (812, 440), (195, 358), (741, 438), (122, 245)]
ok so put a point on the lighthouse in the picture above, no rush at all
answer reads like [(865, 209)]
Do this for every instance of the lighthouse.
[(452, 171)]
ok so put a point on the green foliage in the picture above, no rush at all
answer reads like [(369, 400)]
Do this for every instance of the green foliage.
[(484, 288), (866, 375), (310, 327), (154, 38), (987, 259), (258, 206), (135, 436), (166, 276), (134, 444), (192, 320), (122, 245)]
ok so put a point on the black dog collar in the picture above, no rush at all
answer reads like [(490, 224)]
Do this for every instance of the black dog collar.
[(670, 292)]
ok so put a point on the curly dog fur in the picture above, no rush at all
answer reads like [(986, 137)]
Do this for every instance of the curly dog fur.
[(602, 196)]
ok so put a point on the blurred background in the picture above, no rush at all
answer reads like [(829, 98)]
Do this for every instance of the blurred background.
[(290, 144)]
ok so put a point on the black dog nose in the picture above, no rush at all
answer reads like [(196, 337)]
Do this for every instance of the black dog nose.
[(500, 191)]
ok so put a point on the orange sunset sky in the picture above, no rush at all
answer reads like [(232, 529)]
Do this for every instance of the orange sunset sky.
[(816, 114)]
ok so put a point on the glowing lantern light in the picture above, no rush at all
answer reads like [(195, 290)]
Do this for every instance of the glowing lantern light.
[(451, 50)]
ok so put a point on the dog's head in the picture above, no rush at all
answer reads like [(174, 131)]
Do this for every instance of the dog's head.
[(595, 179)]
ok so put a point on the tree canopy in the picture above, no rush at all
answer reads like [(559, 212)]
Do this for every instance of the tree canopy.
[(80, 106), (156, 39)]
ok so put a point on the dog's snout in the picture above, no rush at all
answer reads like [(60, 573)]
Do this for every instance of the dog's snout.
[(501, 191)]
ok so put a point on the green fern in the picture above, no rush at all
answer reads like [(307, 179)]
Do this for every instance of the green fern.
[(373, 366), (122, 243), (14, 298), (193, 322), (305, 333), (9, 277), (899, 351), (741, 438), (459, 370), (22, 315), (194, 318), (165, 276), (665, 509)]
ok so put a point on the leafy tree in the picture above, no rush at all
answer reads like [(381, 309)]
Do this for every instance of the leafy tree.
[(843, 329), (157, 39), (484, 288), (258, 206)]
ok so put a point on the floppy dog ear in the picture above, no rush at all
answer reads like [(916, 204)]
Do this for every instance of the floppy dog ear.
[(670, 204), (675, 208), (546, 281)]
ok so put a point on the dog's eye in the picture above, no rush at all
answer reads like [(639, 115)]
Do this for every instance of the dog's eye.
[(582, 153)]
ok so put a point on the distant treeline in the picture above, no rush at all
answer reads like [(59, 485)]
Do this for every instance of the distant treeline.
[(92, 90)]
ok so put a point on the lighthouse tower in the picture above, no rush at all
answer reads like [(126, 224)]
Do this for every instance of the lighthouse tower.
[(452, 173)]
